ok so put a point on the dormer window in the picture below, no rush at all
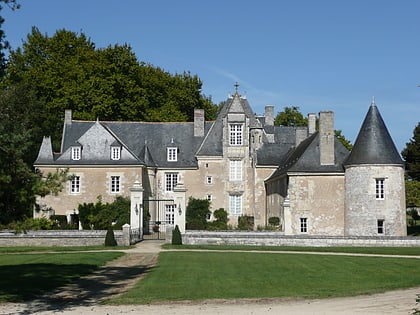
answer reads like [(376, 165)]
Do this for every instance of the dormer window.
[(76, 153), (172, 154), (115, 153), (235, 134)]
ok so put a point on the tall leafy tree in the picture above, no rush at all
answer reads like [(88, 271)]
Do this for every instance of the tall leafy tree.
[(411, 155), (4, 44), (290, 116), (67, 71), (21, 117)]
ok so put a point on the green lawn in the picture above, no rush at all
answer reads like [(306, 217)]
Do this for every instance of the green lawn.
[(24, 249), (229, 275), (410, 251), (25, 276)]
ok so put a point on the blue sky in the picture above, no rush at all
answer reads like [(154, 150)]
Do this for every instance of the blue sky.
[(318, 55)]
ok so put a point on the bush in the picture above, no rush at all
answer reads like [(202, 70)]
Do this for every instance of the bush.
[(100, 216), (221, 220), (176, 236), (110, 238), (196, 214), (274, 221), (246, 223)]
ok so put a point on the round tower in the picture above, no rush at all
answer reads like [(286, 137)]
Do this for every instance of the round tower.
[(374, 182)]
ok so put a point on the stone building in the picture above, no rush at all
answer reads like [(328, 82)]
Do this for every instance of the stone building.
[(240, 162)]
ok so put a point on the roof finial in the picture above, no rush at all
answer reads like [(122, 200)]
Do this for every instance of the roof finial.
[(373, 101), (236, 87)]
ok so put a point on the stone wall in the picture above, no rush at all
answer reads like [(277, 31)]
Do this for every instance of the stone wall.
[(62, 238), (279, 239)]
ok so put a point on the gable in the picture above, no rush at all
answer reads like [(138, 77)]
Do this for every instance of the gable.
[(96, 143)]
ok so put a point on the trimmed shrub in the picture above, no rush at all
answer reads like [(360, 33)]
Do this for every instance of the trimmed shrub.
[(220, 223), (110, 238), (245, 223), (274, 221), (176, 236)]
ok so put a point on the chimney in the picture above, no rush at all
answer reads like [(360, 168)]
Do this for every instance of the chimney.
[(269, 115), (311, 123), (301, 134), (198, 122), (326, 138), (68, 116)]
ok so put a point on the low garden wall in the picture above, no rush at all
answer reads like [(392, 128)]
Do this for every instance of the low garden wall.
[(65, 238), (279, 239)]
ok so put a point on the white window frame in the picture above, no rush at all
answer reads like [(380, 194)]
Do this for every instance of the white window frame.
[(115, 184), (235, 204), (115, 153), (303, 225), (235, 170), (172, 154), (236, 134), (170, 213), (209, 180), (209, 197), (75, 185), (171, 180), (380, 188), (76, 153)]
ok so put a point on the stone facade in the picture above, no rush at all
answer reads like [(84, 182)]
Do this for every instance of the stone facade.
[(240, 162)]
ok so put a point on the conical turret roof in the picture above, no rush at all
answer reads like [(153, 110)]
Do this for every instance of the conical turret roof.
[(374, 144)]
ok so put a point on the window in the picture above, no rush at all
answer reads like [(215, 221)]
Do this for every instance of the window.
[(235, 134), (235, 204), (171, 179), (75, 185), (76, 153), (380, 189), (170, 214), (172, 154), (209, 180), (209, 197), (115, 153), (304, 225), (235, 170), (381, 226), (115, 184)]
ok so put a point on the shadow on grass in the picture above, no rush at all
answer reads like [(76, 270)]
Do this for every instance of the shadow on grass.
[(57, 287)]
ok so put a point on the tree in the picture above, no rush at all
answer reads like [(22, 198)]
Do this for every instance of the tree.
[(412, 193), (20, 131), (290, 116), (67, 71), (4, 44), (347, 144), (196, 214), (411, 155)]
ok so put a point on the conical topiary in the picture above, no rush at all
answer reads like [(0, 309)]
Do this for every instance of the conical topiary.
[(176, 236), (110, 238)]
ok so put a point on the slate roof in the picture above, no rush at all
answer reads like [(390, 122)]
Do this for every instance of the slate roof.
[(305, 158), (374, 144)]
